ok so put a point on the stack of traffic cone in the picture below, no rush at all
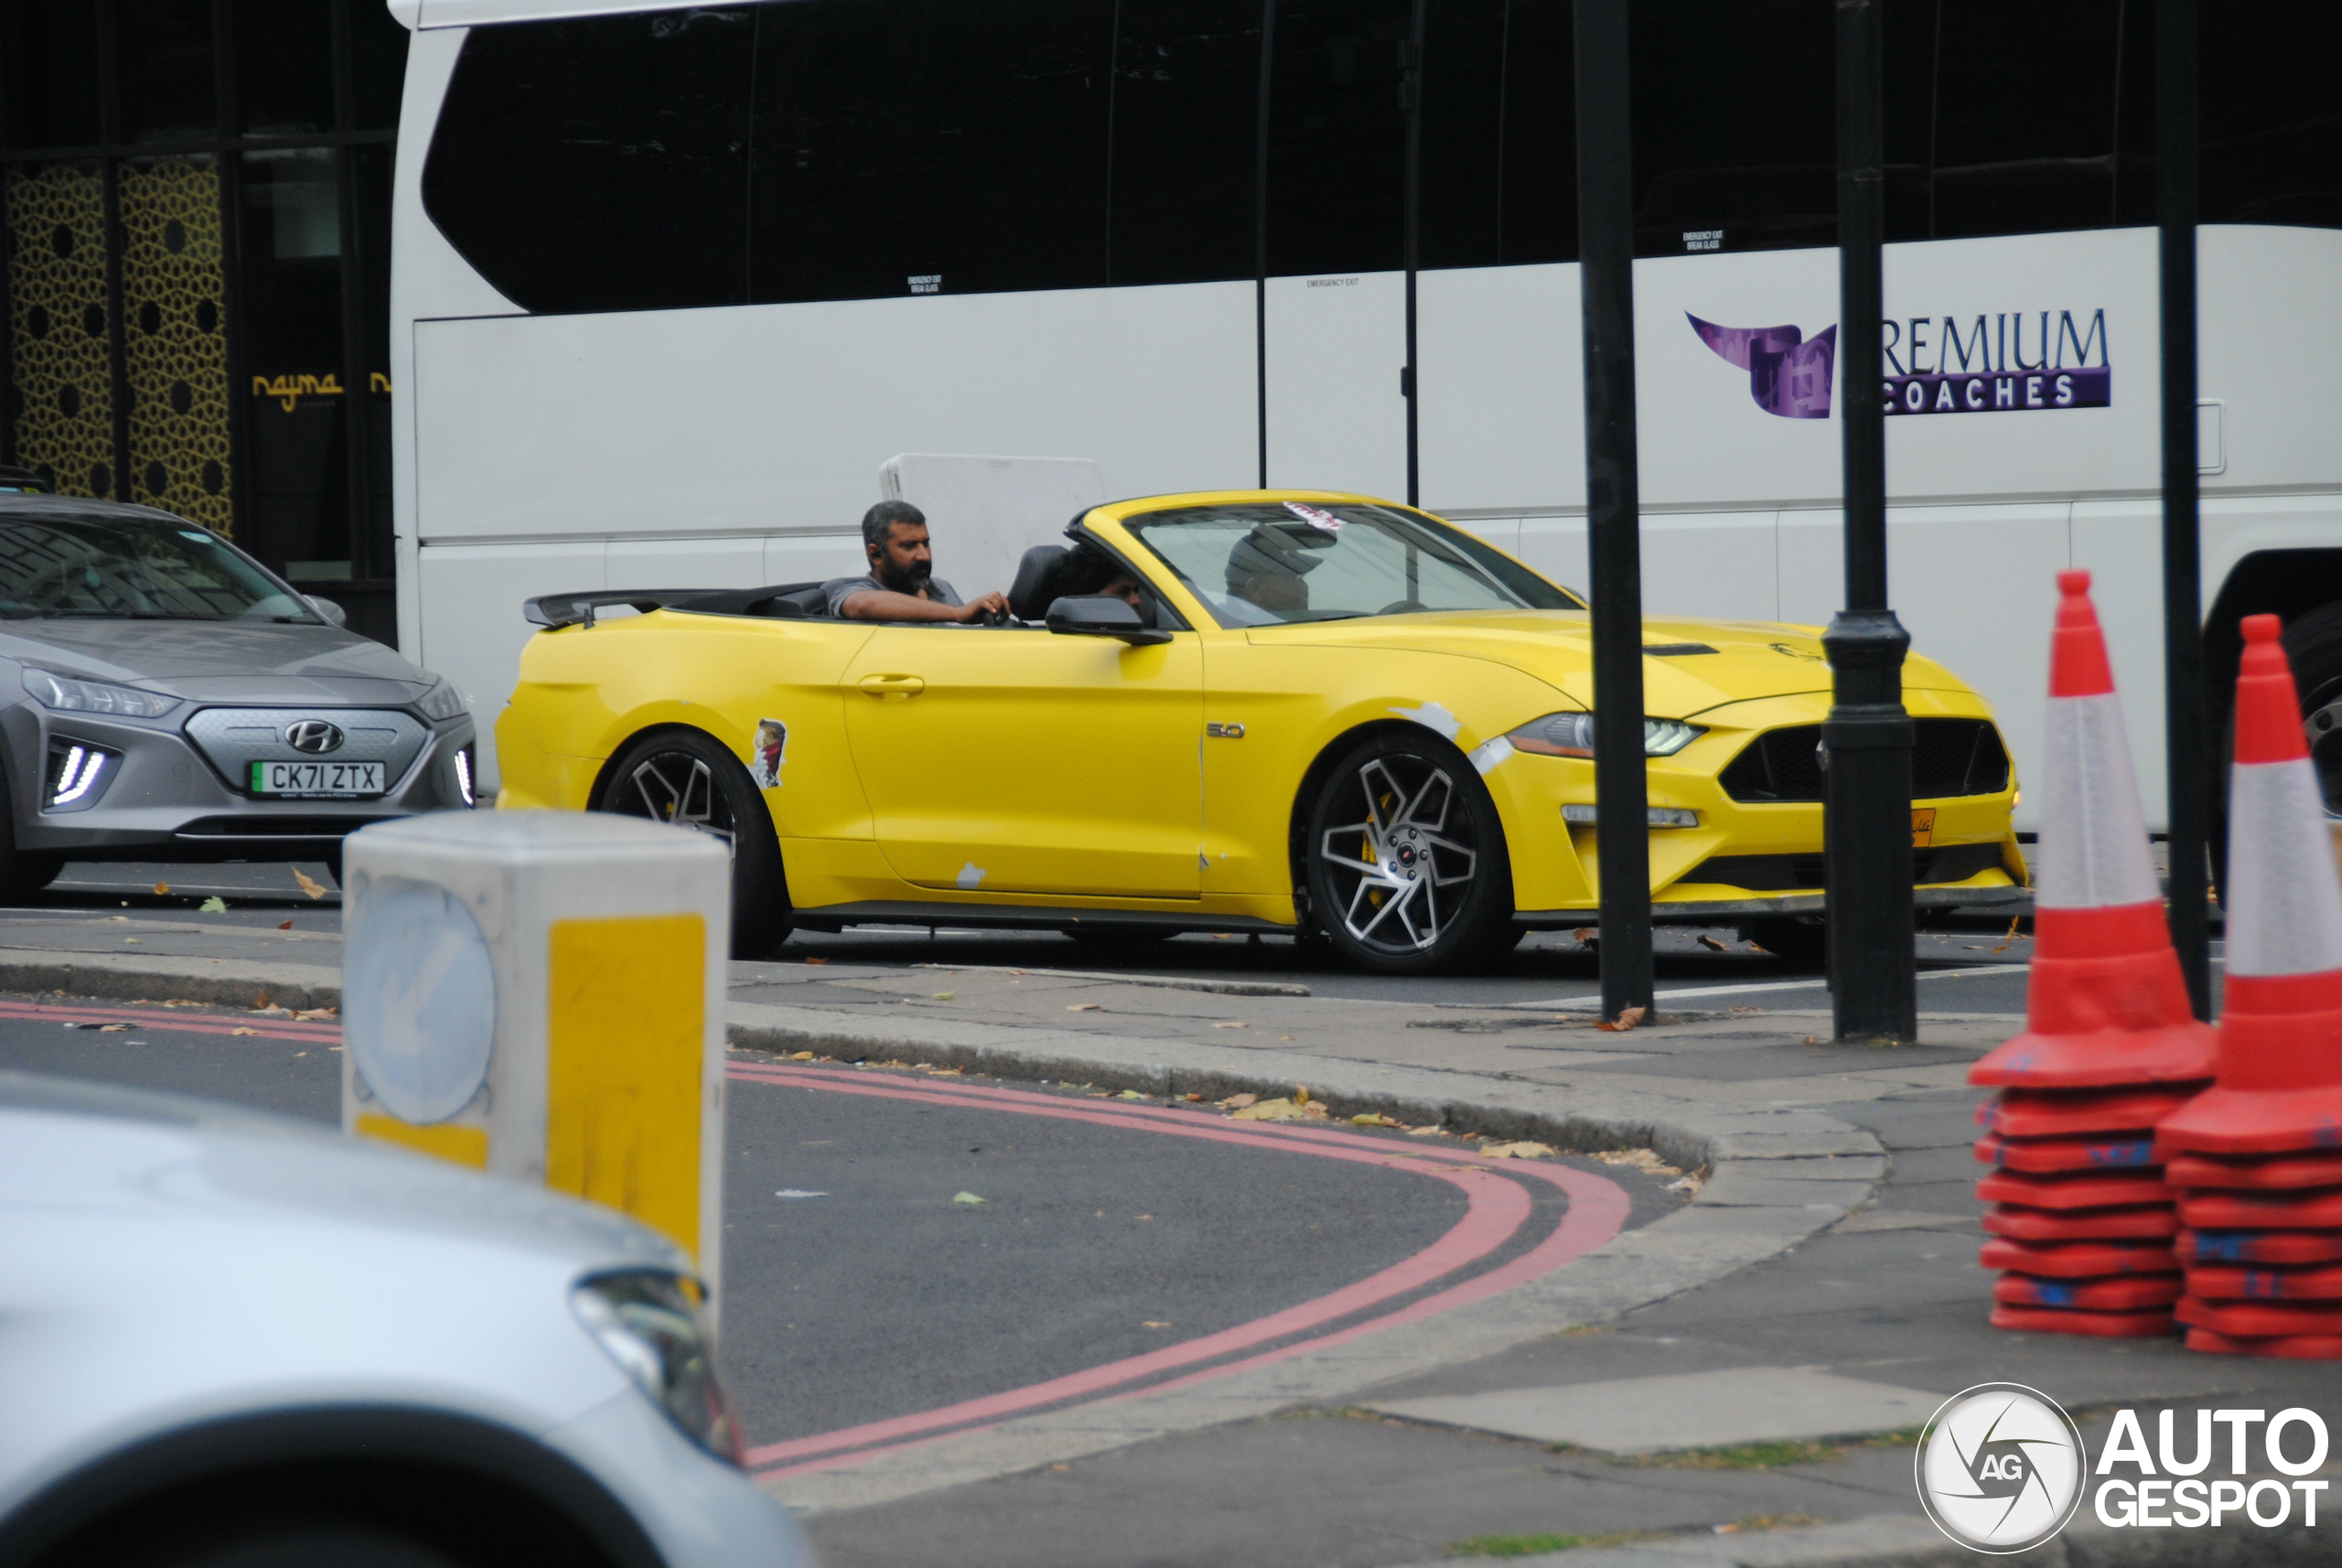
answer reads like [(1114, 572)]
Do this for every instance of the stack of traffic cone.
[(2082, 1219), (2258, 1157)]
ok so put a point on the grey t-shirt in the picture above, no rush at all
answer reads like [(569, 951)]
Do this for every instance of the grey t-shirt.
[(841, 589)]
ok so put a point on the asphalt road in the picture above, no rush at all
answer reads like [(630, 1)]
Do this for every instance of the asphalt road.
[(866, 1302), (1968, 971)]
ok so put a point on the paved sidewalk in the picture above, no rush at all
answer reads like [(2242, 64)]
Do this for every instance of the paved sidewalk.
[(1835, 1233)]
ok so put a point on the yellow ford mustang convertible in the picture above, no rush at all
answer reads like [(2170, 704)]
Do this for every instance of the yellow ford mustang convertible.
[(1323, 714)]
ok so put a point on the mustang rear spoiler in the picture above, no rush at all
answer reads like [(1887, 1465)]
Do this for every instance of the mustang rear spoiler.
[(781, 601), (577, 609)]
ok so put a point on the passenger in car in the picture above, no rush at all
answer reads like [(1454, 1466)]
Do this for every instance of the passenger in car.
[(1267, 571), (901, 585)]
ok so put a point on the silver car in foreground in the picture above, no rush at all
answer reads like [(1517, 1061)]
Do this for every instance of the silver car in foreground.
[(164, 697), (227, 1339)]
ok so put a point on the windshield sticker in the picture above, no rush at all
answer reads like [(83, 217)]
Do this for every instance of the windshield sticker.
[(1316, 517), (1432, 716), (772, 751), (971, 877)]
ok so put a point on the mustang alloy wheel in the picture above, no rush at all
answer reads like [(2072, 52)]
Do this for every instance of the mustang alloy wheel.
[(1405, 858), (684, 777)]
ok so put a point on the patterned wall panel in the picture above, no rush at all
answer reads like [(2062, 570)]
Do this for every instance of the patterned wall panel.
[(175, 337), (56, 278)]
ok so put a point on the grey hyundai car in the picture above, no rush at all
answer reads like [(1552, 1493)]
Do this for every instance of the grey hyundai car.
[(163, 696)]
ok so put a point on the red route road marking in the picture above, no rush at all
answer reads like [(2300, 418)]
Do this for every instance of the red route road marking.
[(1497, 1210), (184, 1021)]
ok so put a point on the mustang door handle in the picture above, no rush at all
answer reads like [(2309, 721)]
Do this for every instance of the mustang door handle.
[(893, 685)]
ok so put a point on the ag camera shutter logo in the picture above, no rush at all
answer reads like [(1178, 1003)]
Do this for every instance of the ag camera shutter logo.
[(2000, 1468)]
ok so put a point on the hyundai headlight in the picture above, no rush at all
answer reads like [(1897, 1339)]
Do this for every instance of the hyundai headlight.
[(653, 1324), (442, 701), (1572, 735), (70, 696)]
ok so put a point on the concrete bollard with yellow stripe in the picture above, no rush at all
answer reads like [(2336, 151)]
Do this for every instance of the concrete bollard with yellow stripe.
[(540, 995)]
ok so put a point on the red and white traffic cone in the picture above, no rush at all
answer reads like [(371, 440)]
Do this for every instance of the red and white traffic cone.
[(2258, 1156), (2081, 1216)]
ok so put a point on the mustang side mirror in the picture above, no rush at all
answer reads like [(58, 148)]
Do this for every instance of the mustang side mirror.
[(1102, 614), (335, 615)]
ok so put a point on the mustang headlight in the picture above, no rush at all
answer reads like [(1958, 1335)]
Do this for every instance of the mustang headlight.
[(70, 696), (651, 1323), (442, 701), (1572, 735)]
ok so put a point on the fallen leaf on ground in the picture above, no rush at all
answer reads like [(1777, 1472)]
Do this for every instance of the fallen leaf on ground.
[(1428, 1133), (134, 941), (310, 885), (241, 1031), (260, 1004), (1192, 1099), (273, 1012), (215, 905), (1748, 1009), (1083, 1007), (945, 995), (1712, 945), (122, 917), (1142, 1326), (161, 889), (968, 1197), (1628, 1018), (801, 1056), (1301, 1094), (1228, 1025), (1274, 1111), (1372, 1119), (113, 1028), (283, 925), (817, 961), (315, 1012), (1237, 1101), (1130, 1094), (1520, 1151), (2008, 938), (1285, 1037)]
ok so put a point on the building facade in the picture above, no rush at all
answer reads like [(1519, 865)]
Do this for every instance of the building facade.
[(196, 204)]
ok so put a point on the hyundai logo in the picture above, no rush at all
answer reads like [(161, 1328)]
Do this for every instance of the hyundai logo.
[(313, 735)]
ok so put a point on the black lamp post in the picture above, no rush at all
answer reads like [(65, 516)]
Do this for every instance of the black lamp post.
[(1867, 739)]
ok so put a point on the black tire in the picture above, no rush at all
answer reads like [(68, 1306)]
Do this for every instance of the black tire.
[(2313, 645), (1405, 859), (685, 777), (22, 874), (301, 1543), (1794, 940)]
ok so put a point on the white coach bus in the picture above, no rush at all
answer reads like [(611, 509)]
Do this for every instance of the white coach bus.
[(671, 282)]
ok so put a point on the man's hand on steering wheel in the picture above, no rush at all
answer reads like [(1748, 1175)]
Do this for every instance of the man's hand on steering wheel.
[(990, 609)]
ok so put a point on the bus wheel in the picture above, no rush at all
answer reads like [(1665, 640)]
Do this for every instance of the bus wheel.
[(1406, 859), (684, 777), (2313, 645)]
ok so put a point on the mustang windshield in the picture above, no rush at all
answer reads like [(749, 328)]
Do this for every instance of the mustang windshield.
[(1266, 563), (109, 568)]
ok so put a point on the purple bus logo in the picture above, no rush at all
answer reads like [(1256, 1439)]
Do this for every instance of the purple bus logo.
[(1980, 368)]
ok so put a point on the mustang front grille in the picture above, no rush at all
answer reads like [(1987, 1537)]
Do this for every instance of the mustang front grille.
[(1949, 757), (1788, 873)]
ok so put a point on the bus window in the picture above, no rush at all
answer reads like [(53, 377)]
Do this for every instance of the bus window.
[(1186, 140), (2024, 137), (930, 146), (2271, 114), (1463, 131), (1336, 137), (600, 164), (1536, 219)]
